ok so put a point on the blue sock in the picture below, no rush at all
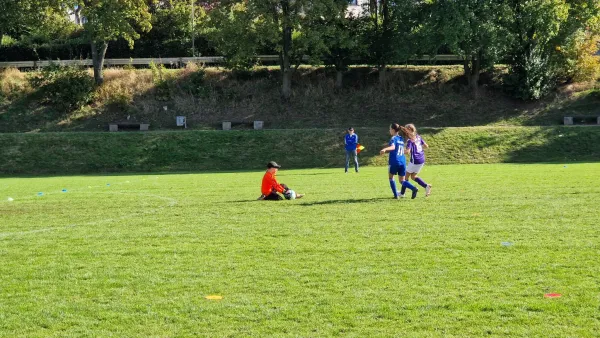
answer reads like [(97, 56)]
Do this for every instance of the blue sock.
[(402, 190), (393, 186), (408, 185)]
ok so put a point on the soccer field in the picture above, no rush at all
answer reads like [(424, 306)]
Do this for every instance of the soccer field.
[(137, 255)]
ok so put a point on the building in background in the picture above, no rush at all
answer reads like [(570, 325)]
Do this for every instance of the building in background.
[(357, 7)]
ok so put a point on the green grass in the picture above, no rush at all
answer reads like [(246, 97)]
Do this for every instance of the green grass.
[(138, 257), (75, 153)]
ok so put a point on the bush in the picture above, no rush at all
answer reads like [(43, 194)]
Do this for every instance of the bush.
[(194, 81), (531, 75), (65, 88), (13, 84), (581, 62), (162, 82)]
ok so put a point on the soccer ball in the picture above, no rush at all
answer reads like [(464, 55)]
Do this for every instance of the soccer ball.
[(290, 195)]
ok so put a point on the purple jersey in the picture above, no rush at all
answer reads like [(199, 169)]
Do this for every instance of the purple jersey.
[(417, 154)]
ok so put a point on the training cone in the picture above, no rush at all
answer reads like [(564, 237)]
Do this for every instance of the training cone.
[(214, 297)]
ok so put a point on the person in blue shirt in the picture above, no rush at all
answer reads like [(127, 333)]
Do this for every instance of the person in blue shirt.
[(350, 144), (397, 161)]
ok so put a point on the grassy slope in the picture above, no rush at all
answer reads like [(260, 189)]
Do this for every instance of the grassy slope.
[(428, 96), (137, 258), (72, 153)]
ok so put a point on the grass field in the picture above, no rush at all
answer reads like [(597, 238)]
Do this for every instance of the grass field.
[(91, 153), (136, 255)]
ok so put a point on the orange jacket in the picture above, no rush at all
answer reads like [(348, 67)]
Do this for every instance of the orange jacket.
[(270, 184)]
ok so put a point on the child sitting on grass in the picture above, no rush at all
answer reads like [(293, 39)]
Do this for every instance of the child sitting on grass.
[(271, 189)]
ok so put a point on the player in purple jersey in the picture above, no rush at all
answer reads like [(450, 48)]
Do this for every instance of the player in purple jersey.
[(415, 148), (397, 161)]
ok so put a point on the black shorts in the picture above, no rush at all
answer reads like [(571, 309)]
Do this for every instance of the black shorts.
[(273, 197)]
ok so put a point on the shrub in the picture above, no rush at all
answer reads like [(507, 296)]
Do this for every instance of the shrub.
[(13, 84), (581, 62), (129, 66), (194, 81), (531, 74), (65, 88), (7, 41), (162, 83)]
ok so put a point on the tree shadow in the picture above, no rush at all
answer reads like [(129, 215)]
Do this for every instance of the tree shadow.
[(570, 100), (346, 201), (559, 145), (304, 203)]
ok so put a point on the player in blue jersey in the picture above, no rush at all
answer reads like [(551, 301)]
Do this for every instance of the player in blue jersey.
[(397, 161), (415, 146), (350, 143)]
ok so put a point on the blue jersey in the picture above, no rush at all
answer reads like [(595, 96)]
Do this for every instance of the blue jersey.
[(397, 155), (351, 141)]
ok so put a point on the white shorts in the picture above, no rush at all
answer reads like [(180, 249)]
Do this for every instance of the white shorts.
[(414, 168)]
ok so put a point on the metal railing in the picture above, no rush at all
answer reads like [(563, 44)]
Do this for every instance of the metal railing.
[(181, 61)]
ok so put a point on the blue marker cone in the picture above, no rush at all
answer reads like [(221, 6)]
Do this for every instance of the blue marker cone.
[(64, 190), (40, 194)]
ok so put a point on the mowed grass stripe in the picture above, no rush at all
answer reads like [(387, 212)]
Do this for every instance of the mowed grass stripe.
[(345, 260)]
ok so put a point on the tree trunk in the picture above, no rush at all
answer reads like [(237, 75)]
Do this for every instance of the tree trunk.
[(98, 53), (386, 39), (382, 75), (472, 69), (77, 14), (339, 79), (373, 6), (474, 79), (286, 88)]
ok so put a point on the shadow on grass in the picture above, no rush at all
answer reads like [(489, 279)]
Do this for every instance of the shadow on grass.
[(560, 145), (579, 102), (313, 174), (309, 204), (346, 201)]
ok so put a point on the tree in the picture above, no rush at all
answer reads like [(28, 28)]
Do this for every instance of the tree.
[(108, 20), (174, 26), (378, 36), (231, 28), (281, 22), (578, 42), (535, 26), (19, 17), (336, 39), (240, 27), (389, 29), (543, 32), (474, 29)]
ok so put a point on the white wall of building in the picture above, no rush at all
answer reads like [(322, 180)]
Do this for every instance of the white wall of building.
[(357, 7)]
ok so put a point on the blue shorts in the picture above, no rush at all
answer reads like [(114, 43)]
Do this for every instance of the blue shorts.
[(397, 169)]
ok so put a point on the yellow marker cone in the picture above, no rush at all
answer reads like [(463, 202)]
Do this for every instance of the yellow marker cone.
[(214, 297)]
